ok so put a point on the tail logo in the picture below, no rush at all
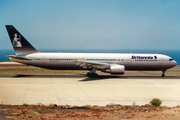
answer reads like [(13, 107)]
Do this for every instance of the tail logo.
[(17, 41)]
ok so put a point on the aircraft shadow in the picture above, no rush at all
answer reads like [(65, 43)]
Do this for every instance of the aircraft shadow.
[(48, 76), (103, 77), (99, 77)]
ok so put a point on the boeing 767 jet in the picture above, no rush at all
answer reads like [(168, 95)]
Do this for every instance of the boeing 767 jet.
[(112, 63)]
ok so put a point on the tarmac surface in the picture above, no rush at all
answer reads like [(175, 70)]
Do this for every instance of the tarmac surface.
[(80, 90)]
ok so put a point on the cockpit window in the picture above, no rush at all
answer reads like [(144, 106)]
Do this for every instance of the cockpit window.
[(170, 59)]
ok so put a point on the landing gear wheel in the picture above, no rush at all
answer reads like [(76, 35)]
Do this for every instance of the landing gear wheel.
[(163, 75), (92, 75), (88, 74)]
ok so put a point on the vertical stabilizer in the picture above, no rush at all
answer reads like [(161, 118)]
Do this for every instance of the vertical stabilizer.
[(20, 44)]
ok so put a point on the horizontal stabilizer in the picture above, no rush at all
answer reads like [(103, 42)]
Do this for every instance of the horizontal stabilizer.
[(17, 57)]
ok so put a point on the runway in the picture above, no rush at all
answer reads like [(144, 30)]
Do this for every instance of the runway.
[(80, 90)]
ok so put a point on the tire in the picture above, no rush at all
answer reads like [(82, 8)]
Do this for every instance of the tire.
[(163, 75)]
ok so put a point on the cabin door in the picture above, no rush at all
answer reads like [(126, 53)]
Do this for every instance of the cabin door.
[(44, 59), (161, 60), (129, 60)]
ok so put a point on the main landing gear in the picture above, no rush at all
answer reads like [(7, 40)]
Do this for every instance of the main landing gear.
[(163, 73), (92, 73)]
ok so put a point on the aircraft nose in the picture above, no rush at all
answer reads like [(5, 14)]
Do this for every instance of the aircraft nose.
[(174, 63)]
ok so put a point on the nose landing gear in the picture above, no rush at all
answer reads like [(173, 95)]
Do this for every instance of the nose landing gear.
[(163, 73)]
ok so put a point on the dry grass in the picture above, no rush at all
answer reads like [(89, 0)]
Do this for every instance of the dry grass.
[(109, 112)]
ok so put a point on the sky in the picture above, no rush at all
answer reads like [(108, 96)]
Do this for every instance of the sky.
[(93, 24)]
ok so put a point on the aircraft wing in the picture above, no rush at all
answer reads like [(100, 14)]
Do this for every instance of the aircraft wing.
[(92, 64), (18, 57)]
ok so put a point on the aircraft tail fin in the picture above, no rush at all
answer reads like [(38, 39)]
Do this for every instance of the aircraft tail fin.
[(20, 44)]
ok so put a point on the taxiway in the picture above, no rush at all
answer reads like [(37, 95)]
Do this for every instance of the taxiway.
[(80, 90)]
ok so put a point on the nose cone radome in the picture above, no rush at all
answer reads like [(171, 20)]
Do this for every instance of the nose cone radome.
[(174, 63)]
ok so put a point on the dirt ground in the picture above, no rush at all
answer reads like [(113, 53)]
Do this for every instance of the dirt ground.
[(108, 112)]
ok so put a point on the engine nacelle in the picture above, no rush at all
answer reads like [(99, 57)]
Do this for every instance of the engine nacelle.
[(117, 69)]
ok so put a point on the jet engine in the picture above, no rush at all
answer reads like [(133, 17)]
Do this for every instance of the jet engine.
[(115, 69)]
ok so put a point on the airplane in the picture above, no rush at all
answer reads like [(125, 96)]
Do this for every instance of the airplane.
[(113, 63)]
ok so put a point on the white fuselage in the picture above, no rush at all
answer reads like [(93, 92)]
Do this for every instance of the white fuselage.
[(66, 61)]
